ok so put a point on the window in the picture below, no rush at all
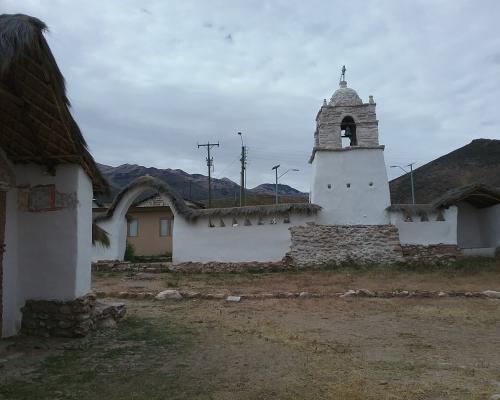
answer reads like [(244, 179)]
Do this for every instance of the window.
[(133, 227), (165, 227)]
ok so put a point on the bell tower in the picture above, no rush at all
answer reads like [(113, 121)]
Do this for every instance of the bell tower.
[(349, 175)]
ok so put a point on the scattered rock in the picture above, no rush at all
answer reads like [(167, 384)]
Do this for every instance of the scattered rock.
[(492, 294), (169, 294), (442, 294), (495, 397), (349, 293), (106, 323), (365, 293), (305, 295), (233, 298)]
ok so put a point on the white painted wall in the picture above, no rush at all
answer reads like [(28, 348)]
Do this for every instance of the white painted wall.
[(197, 242), (11, 298), (490, 225), (470, 234), (427, 232), (54, 246), (359, 204), (48, 253)]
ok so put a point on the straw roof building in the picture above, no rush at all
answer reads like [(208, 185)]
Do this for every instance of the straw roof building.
[(47, 178)]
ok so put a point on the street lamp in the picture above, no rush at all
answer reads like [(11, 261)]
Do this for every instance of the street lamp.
[(275, 168), (411, 178)]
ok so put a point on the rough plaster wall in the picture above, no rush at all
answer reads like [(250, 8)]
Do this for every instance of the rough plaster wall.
[(469, 233), (490, 225), (427, 232), (197, 242), (48, 240), (359, 204), (11, 296), (316, 245), (84, 193)]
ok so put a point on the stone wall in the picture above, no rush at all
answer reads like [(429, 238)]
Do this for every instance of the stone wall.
[(437, 253), (67, 318), (221, 267), (319, 245)]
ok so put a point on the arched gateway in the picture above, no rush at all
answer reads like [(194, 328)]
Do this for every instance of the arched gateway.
[(114, 222)]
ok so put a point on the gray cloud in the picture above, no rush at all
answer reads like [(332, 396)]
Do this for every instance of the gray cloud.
[(149, 80)]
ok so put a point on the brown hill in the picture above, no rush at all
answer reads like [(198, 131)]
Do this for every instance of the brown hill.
[(477, 162)]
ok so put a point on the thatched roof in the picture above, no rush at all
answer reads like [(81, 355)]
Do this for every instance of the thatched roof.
[(35, 122), (478, 195), (180, 207)]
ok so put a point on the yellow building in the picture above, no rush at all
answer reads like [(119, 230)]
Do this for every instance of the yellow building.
[(150, 227)]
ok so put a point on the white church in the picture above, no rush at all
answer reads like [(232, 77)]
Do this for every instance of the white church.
[(350, 217)]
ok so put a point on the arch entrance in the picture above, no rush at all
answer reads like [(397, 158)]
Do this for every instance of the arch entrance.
[(144, 229)]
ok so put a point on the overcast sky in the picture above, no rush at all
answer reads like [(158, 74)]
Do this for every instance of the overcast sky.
[(149, 79)]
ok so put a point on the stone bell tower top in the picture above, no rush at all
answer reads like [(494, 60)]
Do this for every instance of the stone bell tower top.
[(345, 122)]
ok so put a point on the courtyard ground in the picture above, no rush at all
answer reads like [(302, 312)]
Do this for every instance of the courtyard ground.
[(301, 348)]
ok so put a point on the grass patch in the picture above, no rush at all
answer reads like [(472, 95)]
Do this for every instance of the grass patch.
[(131, 362)]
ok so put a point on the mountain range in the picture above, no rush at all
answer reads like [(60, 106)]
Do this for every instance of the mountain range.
[(477, 162), (190, 186)]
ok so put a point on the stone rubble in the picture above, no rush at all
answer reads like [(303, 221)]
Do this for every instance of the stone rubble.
[(75, 318), (172, 294), (169, 294)]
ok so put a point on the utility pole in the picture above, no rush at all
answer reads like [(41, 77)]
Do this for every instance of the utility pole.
[(411, 178), (412, 185), (243, 161), (276, 170), (210, 163)]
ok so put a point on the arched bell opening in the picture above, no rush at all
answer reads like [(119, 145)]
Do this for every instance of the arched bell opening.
[(348, 132)]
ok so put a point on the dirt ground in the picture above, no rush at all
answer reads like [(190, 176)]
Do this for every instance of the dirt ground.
[(464, 278), (326, 348)]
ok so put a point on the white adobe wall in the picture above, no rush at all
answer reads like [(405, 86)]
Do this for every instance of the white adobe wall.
[(54, 246), (359, 204), (490, 225), (469, 227), (11, 299), (47, 252), (427, 232), (197, 242)]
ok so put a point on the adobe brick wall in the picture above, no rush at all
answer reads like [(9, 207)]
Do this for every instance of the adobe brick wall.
[(319, 245)]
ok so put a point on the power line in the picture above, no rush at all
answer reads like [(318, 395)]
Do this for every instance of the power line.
[(210, 164)]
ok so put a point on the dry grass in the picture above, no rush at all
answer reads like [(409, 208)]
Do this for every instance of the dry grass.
[(329, 348)]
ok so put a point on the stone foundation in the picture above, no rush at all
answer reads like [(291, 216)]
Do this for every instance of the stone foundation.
[(75, 318), (437, 253), (320, 245), (218, 267)]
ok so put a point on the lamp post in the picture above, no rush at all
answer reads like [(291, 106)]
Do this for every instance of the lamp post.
[(277, 177), (411, 178)]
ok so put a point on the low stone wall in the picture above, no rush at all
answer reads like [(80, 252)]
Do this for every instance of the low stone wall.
[(438, 253), (73, 318), (318, 245), (125, 266), (217, 267)]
